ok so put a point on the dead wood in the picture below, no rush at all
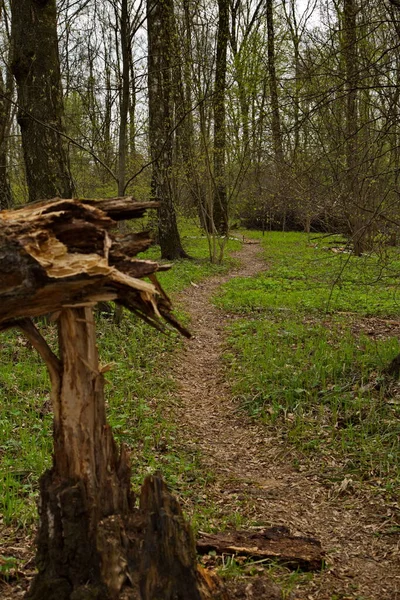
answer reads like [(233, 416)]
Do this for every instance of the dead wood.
[(168, 564), (274, 543), (63, 257), (65, 253)]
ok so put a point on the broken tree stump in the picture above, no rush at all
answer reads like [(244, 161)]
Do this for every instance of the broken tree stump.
[(162, 562), (275, 543), (94, 543)]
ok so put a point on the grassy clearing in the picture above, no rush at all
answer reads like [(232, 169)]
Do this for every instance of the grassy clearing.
[(304, 361), (138, 395)]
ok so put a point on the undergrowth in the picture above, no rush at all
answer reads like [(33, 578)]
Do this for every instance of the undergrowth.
[(138, 393), (308, 350)]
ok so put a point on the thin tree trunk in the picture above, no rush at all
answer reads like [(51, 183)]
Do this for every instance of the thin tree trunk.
[(184, 138), (352, 183), (6, 91), (132, 112), (239, 75), (275, 113), (273, 87), (220, 205), (124, 95)]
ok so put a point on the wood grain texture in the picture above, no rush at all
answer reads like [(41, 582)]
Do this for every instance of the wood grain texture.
[(61, 253)]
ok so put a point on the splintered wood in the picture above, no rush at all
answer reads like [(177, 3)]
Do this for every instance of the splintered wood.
[(60, 254)]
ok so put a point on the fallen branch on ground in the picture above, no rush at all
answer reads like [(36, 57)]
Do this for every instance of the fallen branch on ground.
[(275, 543)]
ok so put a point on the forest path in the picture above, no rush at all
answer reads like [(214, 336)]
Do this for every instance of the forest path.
[(259, 476)]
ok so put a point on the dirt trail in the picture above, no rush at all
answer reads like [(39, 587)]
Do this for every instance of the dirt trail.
[(255, 472)]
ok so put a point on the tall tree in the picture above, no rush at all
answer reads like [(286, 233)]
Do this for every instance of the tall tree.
[(125, 94), (5, 123), (160, 32), (220, 205), (275, 110), (352, 122), (273, 87), (6, 96), (36, 67)]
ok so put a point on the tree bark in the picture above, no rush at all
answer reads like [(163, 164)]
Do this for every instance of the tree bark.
[(88, 489), (275, 543), (273, 87), (36, 68), (160, 23), (220, 204), (124, 29), (275, 114), (6, 199), (6, 115), (93, 543), (352, 181)]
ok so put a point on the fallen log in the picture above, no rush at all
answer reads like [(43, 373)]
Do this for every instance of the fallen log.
[(275, 543)]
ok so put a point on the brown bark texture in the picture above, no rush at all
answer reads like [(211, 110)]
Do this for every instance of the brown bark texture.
[(220, 204), (6, 91), (36, 68), (275, 543), (273, 86), (355, 215), (63, 256), (160, 33)]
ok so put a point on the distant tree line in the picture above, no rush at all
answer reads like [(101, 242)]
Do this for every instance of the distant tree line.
[(231, 110)]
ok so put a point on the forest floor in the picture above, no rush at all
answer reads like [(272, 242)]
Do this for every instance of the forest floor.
[(246, 473), (252, 473)]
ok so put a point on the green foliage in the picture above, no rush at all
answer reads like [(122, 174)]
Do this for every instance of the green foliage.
[(8, 566), (300, 363), (25, 429)]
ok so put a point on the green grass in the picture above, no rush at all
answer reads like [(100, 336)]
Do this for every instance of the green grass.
[(138, 395), (300, 361), (307, 276)]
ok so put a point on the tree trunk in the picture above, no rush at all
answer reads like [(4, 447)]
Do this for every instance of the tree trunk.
[(220, 205), (92, 542), (187, 177), (124, 94), (161, 121), (273, 87), (276, 120), (6, 200), (89, 481), (36, 68), (352, 180), (6, 93)]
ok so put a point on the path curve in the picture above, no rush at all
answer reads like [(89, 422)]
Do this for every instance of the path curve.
[(254, 468)]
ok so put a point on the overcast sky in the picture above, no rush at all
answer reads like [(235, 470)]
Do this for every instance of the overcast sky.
[(302, 6)]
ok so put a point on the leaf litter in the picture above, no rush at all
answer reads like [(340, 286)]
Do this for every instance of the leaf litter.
[(259, 479)]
